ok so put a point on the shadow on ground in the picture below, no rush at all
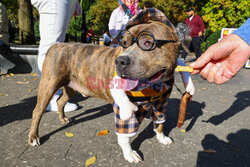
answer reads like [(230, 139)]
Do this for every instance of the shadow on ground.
[(20, 111), (102, 110), (231, 153), (23, 110), (194, 110), (242, 102)]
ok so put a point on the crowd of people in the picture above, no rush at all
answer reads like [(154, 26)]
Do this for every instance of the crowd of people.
[(218, 64)]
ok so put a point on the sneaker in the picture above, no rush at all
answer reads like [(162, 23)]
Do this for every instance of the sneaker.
[(67, 108)]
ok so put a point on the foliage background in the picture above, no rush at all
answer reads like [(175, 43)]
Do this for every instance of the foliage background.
[(225, 13), (215, 13)]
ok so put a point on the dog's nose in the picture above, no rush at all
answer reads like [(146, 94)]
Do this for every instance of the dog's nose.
[(122, 61)]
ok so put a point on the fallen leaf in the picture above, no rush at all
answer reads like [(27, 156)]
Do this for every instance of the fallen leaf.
[(6, 95), (24, 79), (30, 90), (18, 82), (203, 88), (69, 134), (183, 130), (1, 94), (104, 132), (90, 161), (11, 74), (209, 151), (35, 79)]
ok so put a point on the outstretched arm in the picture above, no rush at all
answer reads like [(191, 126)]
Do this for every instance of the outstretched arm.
[(222, 60)]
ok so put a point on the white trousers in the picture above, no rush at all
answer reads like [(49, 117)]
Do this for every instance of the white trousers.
[(55, 16)]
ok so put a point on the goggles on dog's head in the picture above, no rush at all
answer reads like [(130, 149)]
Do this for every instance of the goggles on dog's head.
[(144, 40)]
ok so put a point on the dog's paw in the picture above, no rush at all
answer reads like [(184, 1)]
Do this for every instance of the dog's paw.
[(65, 120), (164, 140), (132, 157), (34, 141), (127, 110)]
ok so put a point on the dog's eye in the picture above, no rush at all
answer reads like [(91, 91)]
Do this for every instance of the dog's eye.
[(146, 43)]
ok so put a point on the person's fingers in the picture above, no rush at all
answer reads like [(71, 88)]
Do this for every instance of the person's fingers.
[(204, 72), (213, 72), (196, 71), (215, 52), (220, 78), (202, 60)]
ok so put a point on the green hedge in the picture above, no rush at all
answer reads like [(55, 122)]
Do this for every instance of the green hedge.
[(211, 39)]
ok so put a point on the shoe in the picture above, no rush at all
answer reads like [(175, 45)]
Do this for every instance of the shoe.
[(67, 108)]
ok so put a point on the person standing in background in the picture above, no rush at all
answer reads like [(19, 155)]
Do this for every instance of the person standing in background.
[(197, 29), (90, 34), (54, 20), (119, 18), (106, 38)]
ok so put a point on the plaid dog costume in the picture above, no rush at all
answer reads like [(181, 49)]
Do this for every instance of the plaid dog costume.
[(157, 107)]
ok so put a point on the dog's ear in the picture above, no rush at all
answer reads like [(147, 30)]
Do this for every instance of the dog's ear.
[(183, 32)]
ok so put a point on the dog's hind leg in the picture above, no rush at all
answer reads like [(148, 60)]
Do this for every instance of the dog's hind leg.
[(158, 129), (45, 92), (63, 99)]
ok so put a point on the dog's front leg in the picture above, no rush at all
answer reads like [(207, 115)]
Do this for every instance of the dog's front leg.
[(129, 154), (158, 129)]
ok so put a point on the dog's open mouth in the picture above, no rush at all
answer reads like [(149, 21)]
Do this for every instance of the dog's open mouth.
[(157, 76), (129, 84)]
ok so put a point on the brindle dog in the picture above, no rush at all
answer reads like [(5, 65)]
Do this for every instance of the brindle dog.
[(70, 65)]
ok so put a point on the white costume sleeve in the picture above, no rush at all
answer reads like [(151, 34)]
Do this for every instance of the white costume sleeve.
[(117, 22), (112, 24), (120, 97), (186, 79)]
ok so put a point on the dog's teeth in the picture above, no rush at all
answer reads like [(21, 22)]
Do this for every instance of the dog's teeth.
[(123, 75)]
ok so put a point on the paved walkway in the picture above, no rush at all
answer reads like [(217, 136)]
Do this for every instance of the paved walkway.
[(217, 129)]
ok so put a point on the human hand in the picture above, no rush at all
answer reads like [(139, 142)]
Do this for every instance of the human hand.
[(200, 34), (222, 60), (78, 10)]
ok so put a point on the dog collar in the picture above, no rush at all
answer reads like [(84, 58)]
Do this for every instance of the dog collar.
[(150, 94)]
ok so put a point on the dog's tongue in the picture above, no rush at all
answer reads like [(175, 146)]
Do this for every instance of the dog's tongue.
[(128, 84)]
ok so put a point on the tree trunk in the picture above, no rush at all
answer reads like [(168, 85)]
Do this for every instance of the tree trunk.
[(26, 25)]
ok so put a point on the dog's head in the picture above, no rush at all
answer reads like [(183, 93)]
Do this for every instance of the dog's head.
[(150, 47)]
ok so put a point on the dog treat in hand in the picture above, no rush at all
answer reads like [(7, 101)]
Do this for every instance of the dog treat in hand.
[(184, 68)]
